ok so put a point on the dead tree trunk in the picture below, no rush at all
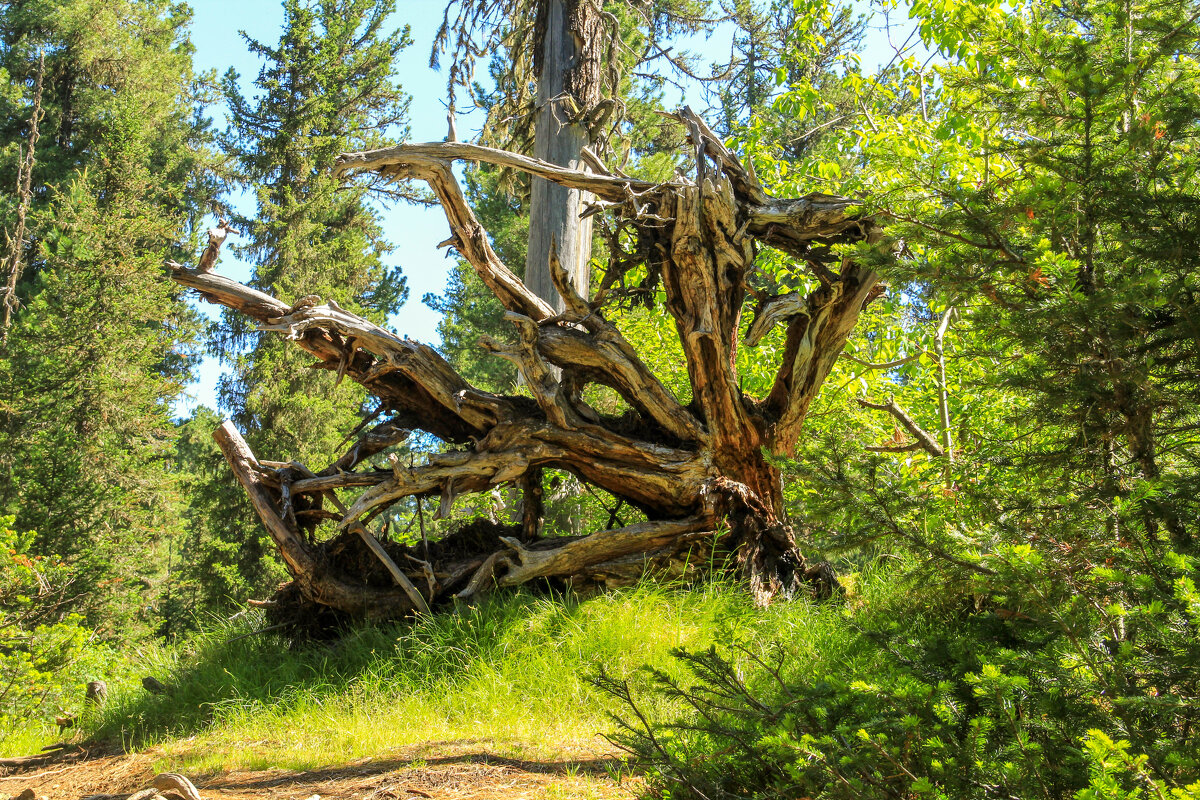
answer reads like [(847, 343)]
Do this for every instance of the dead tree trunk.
[(699, 470), (25, 165), (568, 66)]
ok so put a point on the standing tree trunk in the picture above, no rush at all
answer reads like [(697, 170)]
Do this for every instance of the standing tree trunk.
[(568, 68), (25, 167), (698, 469)]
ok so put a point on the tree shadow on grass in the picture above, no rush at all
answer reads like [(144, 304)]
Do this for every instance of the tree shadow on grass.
[(443, 756)]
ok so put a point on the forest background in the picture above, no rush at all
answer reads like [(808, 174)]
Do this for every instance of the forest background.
[(1011, 500)]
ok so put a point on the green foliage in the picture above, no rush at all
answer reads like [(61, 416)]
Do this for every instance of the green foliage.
[(44, 658), (932, 693), (327, 87), (1116, 774), (100, 345), (785, 50), (222, 559)]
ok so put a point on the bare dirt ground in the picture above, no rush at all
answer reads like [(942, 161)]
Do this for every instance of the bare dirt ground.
[(440, 771)]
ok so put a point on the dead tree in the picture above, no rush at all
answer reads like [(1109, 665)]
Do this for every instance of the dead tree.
[(25, 165), (568, 68), (699, 468)]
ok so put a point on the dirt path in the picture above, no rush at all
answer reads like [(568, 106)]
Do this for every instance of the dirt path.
[(440, 771)]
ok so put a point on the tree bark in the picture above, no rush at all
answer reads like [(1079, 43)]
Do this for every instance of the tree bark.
[(569, 85), (700, 472), (24, 200)]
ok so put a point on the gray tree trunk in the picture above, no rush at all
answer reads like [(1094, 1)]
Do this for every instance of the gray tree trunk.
[(569, 86)]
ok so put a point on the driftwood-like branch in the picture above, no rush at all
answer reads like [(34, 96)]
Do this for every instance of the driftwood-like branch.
[(925, 440), (417, 362), (438, 405), (814, 343), (298, 555), (541, 381), (697, 466), (343, 480), (404, 156), (613, 361), (527, 563), (521, 561), (174, 782), (774, 310), (606, 357), (893, 448), (899, 362), (432, 163), (467, 471), (384, 435), (399, 577), (216, 238), (789, 224)]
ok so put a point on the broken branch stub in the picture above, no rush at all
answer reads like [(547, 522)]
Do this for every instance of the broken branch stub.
[(698, 469)]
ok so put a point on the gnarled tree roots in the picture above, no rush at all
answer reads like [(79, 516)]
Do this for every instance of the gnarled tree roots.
[(699, 468)]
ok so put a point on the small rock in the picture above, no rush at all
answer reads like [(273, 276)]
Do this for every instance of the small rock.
[(153, 685), (97, 692), (173, 781)]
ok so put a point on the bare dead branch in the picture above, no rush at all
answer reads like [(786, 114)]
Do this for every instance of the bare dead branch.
[(893, 448), (299, 557), (526, 563), (216, 237), (399, 577), (927, 442), (24, 199), (899, 362)]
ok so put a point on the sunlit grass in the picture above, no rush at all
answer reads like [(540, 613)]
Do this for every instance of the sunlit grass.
[(508, 676), (28, 739)]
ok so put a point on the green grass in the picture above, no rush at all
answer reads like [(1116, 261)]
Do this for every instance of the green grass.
[(511, 671)]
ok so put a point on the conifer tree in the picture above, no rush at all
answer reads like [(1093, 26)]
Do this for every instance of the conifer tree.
[(329, 85), (1076, 240), (99, 344)]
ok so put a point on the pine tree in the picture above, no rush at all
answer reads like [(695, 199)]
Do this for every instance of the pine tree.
[(1077, 239), (100, 344), (328, 86)]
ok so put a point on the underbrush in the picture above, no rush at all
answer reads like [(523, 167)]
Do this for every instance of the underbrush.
[(1004, 684), (916, 684), (47, 653), (513, 670)]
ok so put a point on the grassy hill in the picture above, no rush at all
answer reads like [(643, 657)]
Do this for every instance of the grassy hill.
[(514, 669)]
